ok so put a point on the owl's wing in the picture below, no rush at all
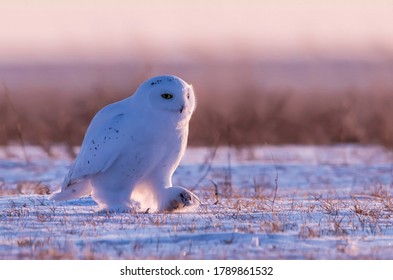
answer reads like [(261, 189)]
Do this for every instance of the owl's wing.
[(101, 146)]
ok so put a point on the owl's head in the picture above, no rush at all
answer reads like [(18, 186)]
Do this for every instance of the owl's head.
[(169, 94)]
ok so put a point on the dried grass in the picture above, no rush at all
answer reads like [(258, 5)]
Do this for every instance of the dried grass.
[(250, 117)]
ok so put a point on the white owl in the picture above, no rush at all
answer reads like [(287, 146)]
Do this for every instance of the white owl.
[(132, 148)]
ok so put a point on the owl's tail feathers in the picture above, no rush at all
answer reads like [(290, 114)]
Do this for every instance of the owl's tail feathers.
[(73, 191)]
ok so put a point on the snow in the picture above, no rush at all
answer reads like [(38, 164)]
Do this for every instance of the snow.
[(332, 202)]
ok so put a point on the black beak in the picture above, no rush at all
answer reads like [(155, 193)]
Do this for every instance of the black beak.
[(181, 109)]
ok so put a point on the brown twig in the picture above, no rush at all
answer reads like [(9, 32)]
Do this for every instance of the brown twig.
[(18, 123), (276, 184)]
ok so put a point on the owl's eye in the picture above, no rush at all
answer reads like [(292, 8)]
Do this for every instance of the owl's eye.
[(167, 96)]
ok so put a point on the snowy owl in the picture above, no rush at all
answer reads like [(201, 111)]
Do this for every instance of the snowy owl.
[(132, 148)]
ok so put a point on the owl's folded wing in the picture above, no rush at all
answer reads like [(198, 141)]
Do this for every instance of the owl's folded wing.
[(101, 146)]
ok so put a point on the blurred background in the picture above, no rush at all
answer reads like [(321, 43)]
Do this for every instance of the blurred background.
[(265, 72)]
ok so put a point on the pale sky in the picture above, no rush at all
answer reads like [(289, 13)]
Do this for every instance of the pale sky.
[(32, 31)]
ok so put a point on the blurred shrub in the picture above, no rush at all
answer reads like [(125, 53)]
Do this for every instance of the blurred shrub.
[(244, 118)]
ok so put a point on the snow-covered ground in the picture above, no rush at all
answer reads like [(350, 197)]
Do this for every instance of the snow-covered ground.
[(269, 202)]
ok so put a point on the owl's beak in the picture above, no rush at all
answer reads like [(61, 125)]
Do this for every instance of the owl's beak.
[(181, 109)]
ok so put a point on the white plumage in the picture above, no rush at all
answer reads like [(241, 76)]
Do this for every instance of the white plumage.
[(132, 148)]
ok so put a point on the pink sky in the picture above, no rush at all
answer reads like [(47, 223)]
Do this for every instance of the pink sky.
[(187, 30)]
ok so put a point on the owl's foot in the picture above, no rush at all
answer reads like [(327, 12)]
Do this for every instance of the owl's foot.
[(180, 200)]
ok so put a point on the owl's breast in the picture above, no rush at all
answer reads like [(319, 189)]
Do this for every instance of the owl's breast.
[(153, 148)]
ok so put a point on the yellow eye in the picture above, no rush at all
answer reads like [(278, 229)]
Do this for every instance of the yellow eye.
[(166, 95)]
